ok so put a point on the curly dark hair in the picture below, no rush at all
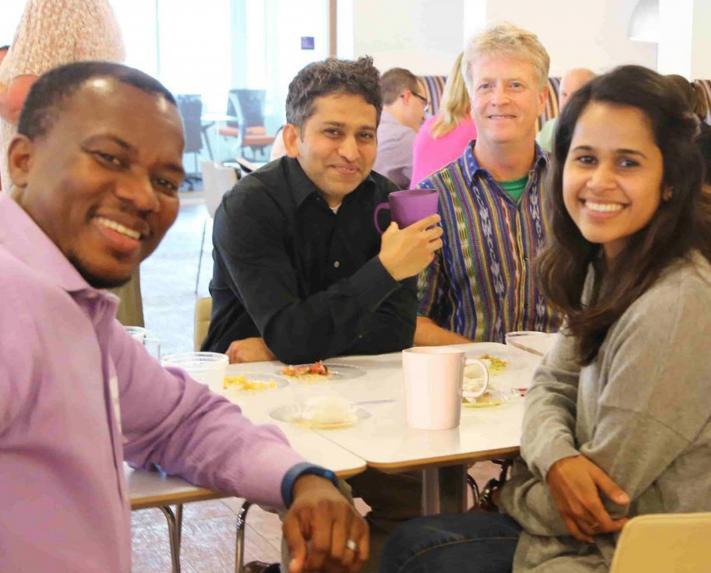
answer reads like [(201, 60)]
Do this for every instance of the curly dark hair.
[(681, 224), (54, 87), (359, 77)]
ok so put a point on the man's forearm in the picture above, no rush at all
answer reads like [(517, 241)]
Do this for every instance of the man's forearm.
[(427, 333)]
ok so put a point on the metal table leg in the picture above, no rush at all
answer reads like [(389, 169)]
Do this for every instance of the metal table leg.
[(444, 490), (173, 536), (239, 541)]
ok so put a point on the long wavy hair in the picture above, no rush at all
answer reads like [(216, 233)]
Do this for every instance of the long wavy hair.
[(455, 102), (681, 224)]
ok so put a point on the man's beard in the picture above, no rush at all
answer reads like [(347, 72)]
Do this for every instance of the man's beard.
[(94, 280)]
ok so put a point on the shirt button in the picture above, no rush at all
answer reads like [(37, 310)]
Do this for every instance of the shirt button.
[(336, 264)]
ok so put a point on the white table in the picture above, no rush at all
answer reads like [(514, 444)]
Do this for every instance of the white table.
[(385, 441)]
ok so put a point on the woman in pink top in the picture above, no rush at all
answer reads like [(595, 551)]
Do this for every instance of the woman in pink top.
[(443, 138)]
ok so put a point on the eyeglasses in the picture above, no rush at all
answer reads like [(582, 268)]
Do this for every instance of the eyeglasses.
[(423, 99)]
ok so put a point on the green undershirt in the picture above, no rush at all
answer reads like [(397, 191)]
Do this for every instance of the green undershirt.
[(515, 188)]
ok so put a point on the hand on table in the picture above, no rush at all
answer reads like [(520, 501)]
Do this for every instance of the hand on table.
[(576, 484), (405, 252), (251, 349), (319, 526)]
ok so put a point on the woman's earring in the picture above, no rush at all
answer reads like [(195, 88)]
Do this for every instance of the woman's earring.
[(667, 194)]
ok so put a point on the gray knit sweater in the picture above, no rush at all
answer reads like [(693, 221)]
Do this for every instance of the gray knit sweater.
[(641, 411)]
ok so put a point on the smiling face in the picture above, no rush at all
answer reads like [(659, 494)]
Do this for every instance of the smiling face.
[(336, 146), (506, 99), (102, 182), (613, 174)]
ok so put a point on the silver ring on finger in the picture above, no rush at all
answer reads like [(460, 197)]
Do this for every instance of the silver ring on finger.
[(352, 545)]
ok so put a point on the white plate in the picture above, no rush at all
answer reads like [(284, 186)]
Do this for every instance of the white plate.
[(260, 379), (291, 413), (534, 342), (336, 372)]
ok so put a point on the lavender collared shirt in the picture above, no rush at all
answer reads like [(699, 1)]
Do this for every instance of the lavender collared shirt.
[(395, 143), (78, 396)]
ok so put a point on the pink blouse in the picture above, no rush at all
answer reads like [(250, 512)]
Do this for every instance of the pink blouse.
[(430, 154)]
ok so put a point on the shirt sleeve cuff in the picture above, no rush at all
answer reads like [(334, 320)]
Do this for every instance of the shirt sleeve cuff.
[(372, 283), (295, 472), (554, 451)]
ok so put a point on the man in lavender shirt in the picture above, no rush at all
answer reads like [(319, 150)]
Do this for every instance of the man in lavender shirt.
[(404, 107), (97, 165)]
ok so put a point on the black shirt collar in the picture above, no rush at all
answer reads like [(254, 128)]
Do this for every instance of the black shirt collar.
[(302, 187)]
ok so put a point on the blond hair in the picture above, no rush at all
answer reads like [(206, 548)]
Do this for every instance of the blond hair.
[(455, 102), (510, 40)]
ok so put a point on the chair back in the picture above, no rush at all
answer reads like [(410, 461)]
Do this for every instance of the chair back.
[(664, 543), (190, 108), (251, 107), (217, 179), (203, 311)]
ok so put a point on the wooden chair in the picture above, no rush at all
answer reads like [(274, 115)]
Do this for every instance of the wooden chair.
[(665, 543), (203, 311)]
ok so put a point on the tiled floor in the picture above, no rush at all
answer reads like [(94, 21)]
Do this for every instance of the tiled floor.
[(208, 545)]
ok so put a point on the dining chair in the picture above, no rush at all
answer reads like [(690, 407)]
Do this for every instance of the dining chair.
[(190, 108), (217, 179), (250, 103), (664, 543)]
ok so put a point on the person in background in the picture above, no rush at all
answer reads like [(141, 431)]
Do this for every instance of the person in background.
[(482, 283), (694, 97), (404, 106), (629, 263), (572, 81), (52, 33), (443, 137), (96, 165)]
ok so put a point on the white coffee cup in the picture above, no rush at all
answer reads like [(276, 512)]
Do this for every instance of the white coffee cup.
[(205, 367), (433, 377)]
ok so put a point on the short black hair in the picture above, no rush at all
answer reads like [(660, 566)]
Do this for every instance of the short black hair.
[(330, 76), (54, 87)]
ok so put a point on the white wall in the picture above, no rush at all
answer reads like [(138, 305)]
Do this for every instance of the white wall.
[(423, 36), (585, 33)]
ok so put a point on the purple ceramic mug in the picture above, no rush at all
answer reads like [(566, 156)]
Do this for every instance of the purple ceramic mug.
[(408, 207)]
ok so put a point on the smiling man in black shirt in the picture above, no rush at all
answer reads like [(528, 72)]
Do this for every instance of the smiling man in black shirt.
[(300, 271)]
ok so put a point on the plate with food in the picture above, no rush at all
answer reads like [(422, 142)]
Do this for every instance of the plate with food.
[(321, 371), (498, 362), (254, 382), (321, 413), (488, 399)]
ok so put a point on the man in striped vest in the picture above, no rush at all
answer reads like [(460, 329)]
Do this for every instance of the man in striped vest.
[(482, 283)]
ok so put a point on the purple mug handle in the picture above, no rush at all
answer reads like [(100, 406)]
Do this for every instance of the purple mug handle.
[(379, 208)]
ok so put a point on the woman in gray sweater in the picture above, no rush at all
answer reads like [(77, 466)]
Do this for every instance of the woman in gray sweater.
[(618, 418)]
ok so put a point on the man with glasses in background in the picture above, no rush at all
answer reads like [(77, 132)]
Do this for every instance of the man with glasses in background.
[(404, 108)]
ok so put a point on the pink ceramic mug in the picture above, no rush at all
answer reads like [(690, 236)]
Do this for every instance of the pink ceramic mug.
[(433, 379), (408, 207)]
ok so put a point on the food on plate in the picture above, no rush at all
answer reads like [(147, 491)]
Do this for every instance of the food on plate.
[(495, 364), (486, 400), (241, 382), (328, 412), (314, 371)]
